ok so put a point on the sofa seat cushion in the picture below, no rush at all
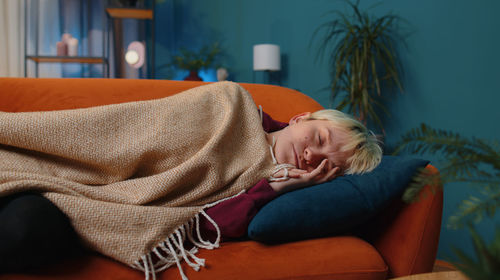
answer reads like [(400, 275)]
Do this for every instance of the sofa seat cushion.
[(352, 258)]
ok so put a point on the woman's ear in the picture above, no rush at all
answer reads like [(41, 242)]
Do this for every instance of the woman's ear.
[(300, 117)]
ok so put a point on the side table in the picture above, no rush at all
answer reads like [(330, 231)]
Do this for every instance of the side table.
[(442, 275), (442, 270)]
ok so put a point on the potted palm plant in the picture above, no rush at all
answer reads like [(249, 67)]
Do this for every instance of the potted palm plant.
[(361, 54), (471, 160)]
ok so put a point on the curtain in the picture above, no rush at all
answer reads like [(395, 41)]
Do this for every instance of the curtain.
[(47, 22), (12, 38)]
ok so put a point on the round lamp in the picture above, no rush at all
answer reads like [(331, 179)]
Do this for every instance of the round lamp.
[(135, 55)]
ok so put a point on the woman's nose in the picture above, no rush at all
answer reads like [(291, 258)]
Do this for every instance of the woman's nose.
[(312, 157)]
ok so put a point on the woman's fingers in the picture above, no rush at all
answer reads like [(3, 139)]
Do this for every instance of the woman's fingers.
[(320, 169), (319, 175), (299, 178), (296, 173), (332, 174), (292, 173)]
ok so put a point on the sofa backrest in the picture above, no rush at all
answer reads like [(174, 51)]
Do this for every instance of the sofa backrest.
[(31, 94)]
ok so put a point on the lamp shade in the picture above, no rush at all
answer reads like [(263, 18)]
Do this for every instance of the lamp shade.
[(266, 57), (135, 55)]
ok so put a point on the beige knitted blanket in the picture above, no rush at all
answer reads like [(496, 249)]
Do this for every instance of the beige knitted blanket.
[(134, 177)]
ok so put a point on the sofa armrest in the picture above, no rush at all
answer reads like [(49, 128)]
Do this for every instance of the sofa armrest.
[(407, 235)]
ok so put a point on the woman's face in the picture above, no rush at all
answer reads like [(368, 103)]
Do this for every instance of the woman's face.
[(306, 143)]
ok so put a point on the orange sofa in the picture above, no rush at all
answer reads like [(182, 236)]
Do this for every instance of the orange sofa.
[(402, 240)]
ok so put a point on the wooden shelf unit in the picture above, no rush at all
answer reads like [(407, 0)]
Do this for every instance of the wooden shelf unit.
[(67, 59), (130, 13), (115, 16), (111, 14)]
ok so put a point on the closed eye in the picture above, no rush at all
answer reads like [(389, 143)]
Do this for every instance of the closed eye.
[(319, 139)]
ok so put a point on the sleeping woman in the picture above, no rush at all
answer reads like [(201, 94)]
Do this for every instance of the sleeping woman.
[(136, 181)]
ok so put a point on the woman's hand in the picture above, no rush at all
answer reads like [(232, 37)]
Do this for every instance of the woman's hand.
[(299, 178)]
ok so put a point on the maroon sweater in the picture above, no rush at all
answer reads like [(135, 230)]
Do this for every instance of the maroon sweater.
[(233, 215)]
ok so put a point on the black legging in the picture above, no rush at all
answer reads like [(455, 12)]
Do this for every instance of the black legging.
[(33, 233)]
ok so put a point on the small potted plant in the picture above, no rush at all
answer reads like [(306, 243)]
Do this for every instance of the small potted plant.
[(193, 61), (126, 3)]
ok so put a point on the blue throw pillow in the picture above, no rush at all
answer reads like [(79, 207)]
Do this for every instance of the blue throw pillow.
[(333, 207)]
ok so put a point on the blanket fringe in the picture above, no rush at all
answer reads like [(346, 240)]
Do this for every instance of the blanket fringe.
[(172, 251)]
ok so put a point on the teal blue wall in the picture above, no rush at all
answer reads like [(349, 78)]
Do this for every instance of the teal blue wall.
[(452, 63)]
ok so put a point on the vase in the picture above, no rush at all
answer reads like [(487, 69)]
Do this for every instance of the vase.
[(193, 76)]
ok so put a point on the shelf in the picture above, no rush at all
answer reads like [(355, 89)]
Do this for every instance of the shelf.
[(130, 13), (67, 59)]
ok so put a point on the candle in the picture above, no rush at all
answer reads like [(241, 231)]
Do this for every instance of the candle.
[(72, 47), (62, 48), (65, 37)]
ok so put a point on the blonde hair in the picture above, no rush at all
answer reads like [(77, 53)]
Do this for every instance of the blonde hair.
[(367, 151)]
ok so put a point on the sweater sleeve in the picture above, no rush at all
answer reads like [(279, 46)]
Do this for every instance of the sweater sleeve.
[(234, 215), (270, 125)]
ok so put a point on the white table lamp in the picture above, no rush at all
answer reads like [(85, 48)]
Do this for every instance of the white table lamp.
[(266, 57)]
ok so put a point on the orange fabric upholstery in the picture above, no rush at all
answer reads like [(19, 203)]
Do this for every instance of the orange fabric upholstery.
[(401, 241), (29, 94), (327, 258), (408, 235)]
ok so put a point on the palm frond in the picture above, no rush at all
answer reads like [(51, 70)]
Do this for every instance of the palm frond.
[(486, 263), (423, 177), (474, 209), (470, 160)]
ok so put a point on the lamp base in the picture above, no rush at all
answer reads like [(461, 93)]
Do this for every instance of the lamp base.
[(268, 77)]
